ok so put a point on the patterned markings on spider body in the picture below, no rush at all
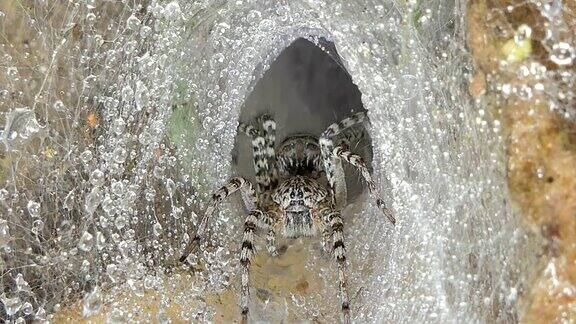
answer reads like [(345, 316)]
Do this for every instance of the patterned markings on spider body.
[(293, 195)]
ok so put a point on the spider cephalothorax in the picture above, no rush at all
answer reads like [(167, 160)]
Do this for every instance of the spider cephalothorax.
[(299, 155), (298, 197), (296, 193)]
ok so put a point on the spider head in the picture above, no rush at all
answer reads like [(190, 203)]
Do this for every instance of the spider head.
[(299, 155)]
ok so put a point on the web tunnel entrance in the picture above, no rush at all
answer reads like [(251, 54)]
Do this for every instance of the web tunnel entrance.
[(305, 90)]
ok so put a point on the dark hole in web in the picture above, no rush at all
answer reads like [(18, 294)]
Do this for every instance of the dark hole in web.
[(305, 90)]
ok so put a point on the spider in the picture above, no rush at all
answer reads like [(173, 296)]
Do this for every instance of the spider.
[(297, 193)]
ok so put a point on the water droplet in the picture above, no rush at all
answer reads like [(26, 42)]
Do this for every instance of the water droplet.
[(27, 308), (157, 229), (130, 47), (524, 32), (118, 126), (562, 53), (142, 97), (86, 156), (86, 242), (40, 314), (120, 222), (170, 185), (21, 125), (33, 208), (217, 60), (98, 40), (37, 227), (108, 205), (97, 178), (127, 93), (11, 305), (12, 73), (266, 25), (111, 103), (21, 283), (3, 194), (408, 87), (525, 92), (137, 287), (551, 9), (100, 241), (119, 155), (173, 12), (85, 267), (113, 272), (90, 18), (118, 188), (59, 106), (92, 303), (133, 22), (177, 212), (92, 201), (4, 233), (145, 31), (124, 249)]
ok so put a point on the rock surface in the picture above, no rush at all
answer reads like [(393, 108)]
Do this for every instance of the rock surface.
[(541, 146)]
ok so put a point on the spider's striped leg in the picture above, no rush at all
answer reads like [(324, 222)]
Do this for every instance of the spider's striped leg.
[(331, 165), (351, 138), (358, 162), (269, 126), (259, 152), (255, 219), (271, 242), (334, 220), (235, 184), (268, 221), (326, 229), (246, 253), (337, 128)]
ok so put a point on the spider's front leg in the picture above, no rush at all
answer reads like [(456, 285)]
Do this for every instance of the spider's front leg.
[(333, 220), (269, 126), (235, 184), (261, 167), (263, 143), (358, 162), (331, 165)]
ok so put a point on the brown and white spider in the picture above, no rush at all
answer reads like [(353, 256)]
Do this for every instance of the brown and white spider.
[(296, 194)]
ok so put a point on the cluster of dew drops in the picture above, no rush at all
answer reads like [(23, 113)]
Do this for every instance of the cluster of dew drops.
[(551, 76), (107, 202)]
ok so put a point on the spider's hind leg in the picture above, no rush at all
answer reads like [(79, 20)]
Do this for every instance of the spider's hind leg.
[(246, 253), (255, 219), (334, 221)]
